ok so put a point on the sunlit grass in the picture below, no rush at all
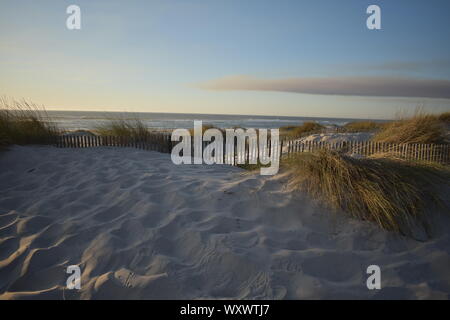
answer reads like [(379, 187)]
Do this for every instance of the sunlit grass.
[(308, 127), (23, 122), (420, 128), (393, 194), (128, 128), (362, 126)]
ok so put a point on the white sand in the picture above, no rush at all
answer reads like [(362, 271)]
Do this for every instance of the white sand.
[(141, 227), (338, 137)]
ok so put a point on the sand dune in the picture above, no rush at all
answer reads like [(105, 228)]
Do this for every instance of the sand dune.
[(141, 227), (338, 137)]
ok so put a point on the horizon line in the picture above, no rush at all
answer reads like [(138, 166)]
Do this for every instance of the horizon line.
[(225, 114)]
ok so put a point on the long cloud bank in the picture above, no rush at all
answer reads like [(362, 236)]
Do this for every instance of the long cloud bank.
[(347, 86)]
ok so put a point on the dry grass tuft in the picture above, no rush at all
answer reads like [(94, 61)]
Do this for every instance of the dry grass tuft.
[(134, 129), (308, 127), (22, 122), (362, 126), (420, 128), (391, 193), (444, 117)]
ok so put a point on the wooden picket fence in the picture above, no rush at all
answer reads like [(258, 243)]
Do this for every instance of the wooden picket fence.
[(161, 142), (155, 142), (439, 153)]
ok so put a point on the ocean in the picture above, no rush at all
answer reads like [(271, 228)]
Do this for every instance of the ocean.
[(88, 120)]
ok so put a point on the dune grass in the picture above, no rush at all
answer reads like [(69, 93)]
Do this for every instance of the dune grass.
[(420, 128), (392, 194), (308, 127), (128, 128), (362, 126), (445, 117), (23, 122)]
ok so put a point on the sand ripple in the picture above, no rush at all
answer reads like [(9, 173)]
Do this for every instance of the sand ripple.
[(142, 228)]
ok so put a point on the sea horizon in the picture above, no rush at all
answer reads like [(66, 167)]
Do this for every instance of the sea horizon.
[(88, 120)]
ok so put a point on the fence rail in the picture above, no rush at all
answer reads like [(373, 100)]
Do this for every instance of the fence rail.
[(153, 142), (161, 142), (415, 152)]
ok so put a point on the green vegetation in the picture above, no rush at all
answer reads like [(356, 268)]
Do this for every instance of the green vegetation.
[(393, 194), (444, 117), (308, 127), (130, 128), (420, 128), (362, 126), (22, 123)]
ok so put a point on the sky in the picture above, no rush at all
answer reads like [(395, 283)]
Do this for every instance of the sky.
[(285, 58)]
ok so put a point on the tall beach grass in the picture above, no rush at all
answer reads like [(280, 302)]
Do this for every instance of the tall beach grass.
[(420, 128), (128, 128), (23, 122), (445, 117), (362, 126), (393, 194), (308, 127)]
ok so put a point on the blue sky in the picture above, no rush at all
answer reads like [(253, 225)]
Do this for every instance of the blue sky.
[(172, 56)]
